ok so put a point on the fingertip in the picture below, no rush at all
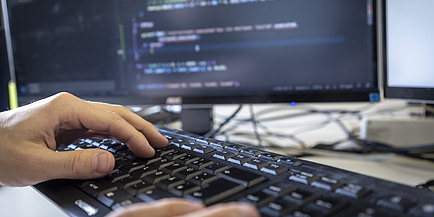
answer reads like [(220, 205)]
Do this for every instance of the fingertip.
[(155, 138), (142, 149), (162, 142)]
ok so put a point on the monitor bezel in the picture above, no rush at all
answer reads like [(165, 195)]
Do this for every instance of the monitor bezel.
[(411, 94), (363, 95)]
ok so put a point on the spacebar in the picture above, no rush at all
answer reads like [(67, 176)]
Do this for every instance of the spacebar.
[(73, 201), (215, 191)]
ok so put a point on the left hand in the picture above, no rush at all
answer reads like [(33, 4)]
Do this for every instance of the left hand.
[(29, 136)]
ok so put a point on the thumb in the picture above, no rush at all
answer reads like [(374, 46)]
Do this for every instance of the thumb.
[(82, 164)]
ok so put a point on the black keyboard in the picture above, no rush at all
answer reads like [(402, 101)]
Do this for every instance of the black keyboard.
[(213, 171)]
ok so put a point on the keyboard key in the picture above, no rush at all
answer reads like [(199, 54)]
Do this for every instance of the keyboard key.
[(176, 142), (274, 169), (223, 155), (290, 161), (116, 175), (174, 168), (132, 166), (112, 197), (139, 188), (234, 148), (301, 197), (159, 152), (200, 163), (218, 145), (258, 199), (189, 145), (216, 168), (423, 210), (125, 202), (279, 189), (161, 163), (303, 177), (251, 152), (187, 173), (115, 149), (127, 154), (187, 159), (239, 159), (126, 182), (247, 179), (155, 194), (204, 149), (326, 183), (143, 172), (98, 187), (184, 189), (280, 207), (395, 202), (203, 179), (215, 191), (256, 164), (327, 206), (352, 190), (270, 156), (170, 182), (156, 177), (149, 161), (174, 155), (202, 141)]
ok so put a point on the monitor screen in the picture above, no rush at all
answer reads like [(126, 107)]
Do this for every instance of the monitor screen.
[(409, 50), (195, 52)]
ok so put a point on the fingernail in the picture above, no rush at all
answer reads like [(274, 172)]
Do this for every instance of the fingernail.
[(102, 163)]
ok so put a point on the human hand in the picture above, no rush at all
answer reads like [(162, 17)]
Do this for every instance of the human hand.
[(184, 208), (29, 136)]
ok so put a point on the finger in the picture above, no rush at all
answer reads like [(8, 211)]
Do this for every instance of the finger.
[(39, 164), (151, 133), (162, 208), (80, 164), (233, 209), (82, 114)]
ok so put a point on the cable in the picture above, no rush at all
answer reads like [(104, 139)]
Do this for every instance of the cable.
[(212, 133), (255, 126), (289, 136), (428, 186)]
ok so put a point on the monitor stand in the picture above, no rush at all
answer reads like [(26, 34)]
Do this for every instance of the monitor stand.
[(197, 120)]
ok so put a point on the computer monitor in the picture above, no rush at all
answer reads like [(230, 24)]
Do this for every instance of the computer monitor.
[(408, 50), (147, 52), (4, 73)]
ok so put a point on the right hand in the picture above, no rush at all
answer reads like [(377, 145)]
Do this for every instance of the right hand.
[(185, 208)]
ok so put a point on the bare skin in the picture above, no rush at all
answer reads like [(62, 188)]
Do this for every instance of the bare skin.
[(30, 134)]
